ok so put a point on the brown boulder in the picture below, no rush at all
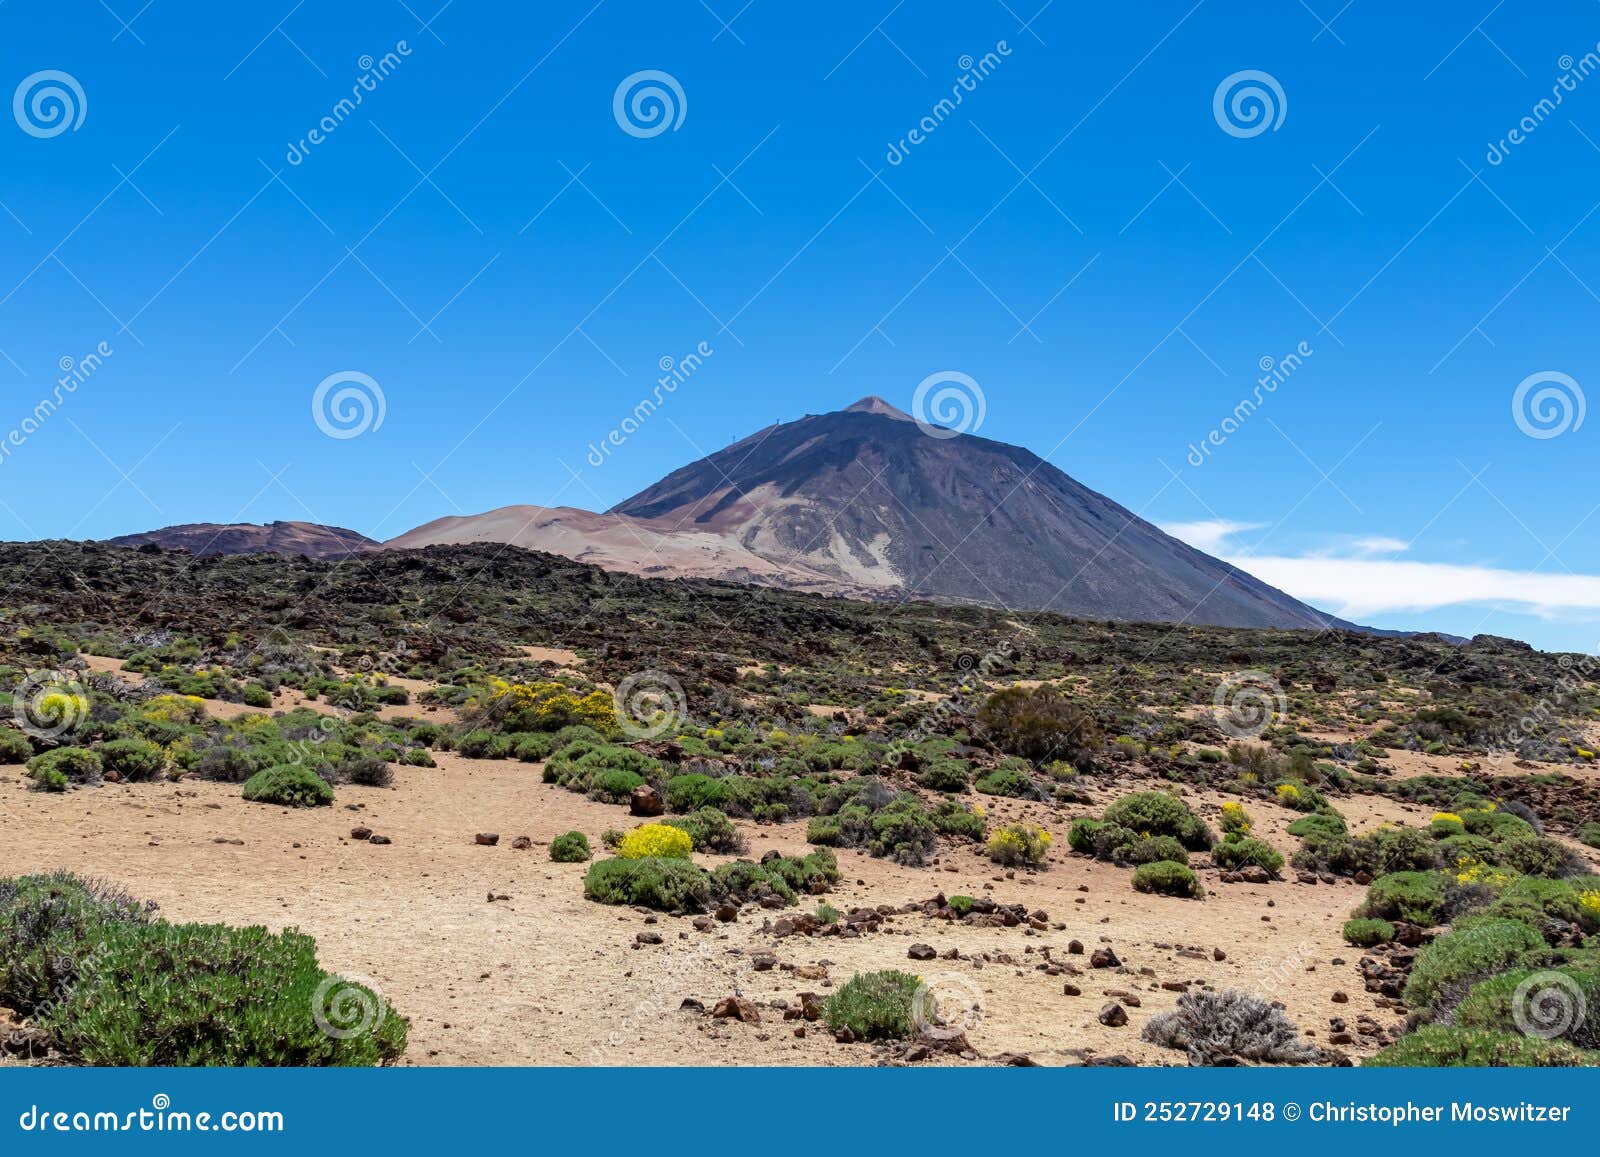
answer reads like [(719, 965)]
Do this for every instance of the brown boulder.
[(736, 1008), (1113, 1016), (646, 801)]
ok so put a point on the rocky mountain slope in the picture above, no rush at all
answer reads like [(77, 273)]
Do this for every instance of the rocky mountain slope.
[(208, 538)]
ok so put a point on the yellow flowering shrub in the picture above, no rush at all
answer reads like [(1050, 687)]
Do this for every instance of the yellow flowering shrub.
[(544, 706), (655, 840), (1590, 902), (1446, 824), (60, 708), (1471, 870), (1235, 820), (1024, 844), (175, 709), (1287, 793)]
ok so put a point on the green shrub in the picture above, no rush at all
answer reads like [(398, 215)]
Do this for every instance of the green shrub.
[(1588, 834), (1168, 879), (745, 881), (1436, 1046), (366, 771), (1561, 1004), (1533, 900), (1080, 834), (132, 759), (15, 748), (477, 744), (1112, 841), (49, 925), (1486, 947), (1005, 781), (874, 1005), (1158, 814), (1415, 897), (288, 784), (687, 793), (532, 746), (952, 818), (947, 775), (1496, 825), (1453, 849), (1536, 856), (570, 848), (1365, 933), (1319, 824), (255, 695), (960, 905), (902, 831), (824, 830), (1397, 850), (1325, 853), (614, 784), (229, 764), (1152, 849), (1040, 724), (1235, 854), (711, 831), (671, 885), (53, 770), (207, 994), (814, 873)]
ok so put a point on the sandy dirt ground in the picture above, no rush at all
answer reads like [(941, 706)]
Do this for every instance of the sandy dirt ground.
[(546, 977), (497, 959)]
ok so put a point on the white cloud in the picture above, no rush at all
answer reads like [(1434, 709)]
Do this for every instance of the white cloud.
[(1380, 545), (1353, 587), (1353, 584), (1210, 535)]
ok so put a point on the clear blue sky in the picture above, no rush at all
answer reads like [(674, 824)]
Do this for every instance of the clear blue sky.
[(512, 312)]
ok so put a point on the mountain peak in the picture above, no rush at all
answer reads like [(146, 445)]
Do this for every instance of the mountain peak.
[(872, 404)]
